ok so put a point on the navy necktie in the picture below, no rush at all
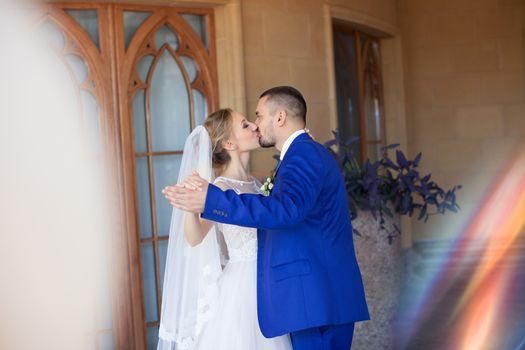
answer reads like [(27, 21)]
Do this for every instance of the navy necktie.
[(277, 166)]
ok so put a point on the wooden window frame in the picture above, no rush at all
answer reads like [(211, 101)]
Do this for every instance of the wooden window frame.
[(108, 64), (363, 43), (127, 58)]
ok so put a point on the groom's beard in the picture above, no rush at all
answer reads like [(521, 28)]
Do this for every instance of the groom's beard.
[(266, 143)]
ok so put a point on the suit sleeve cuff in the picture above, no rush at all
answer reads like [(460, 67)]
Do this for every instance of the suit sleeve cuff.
[(210, 211)]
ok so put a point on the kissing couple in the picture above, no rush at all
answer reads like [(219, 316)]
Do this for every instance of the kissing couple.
[(260, 267)]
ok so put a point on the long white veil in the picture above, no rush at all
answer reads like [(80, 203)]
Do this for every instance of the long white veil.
[(190, 278)]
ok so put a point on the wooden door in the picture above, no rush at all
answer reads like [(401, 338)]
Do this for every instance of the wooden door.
[(167, 85), (143, 77)]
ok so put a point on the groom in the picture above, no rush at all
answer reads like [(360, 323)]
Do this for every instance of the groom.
[(308, 280)]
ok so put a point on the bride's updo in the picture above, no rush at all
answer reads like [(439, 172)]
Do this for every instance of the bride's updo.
[(219, 127)]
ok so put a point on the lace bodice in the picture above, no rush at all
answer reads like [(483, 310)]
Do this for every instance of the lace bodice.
[(241, 242)]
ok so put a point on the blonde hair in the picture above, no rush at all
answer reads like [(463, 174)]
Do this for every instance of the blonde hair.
[(219, 127)]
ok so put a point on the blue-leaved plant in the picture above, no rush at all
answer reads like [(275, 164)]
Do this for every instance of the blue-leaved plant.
[(377, 186)]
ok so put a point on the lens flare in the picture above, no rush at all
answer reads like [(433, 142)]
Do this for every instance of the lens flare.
[(485, 251)]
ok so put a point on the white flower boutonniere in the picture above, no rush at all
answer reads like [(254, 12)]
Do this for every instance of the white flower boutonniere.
[(268, 185)]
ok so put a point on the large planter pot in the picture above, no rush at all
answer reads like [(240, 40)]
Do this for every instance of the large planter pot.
[(381, 268)]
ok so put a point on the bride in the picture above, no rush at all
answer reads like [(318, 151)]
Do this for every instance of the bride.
[(210, 283)]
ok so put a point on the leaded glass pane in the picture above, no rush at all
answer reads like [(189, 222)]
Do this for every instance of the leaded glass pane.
[(372, 110), (144, 67), (199, 25), (200, 107), (78, 66), (88, 19), (132, 21), (165, 170), (190, 66), (139, 121), (144, 197), (153, 337), (163, 250), (169, 106), (149, 280), (166, 36), (347, 89)]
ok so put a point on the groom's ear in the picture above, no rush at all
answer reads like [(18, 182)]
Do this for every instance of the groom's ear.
[(281, 117)]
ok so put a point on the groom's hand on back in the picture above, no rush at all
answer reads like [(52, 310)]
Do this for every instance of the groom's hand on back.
[(189, 195)]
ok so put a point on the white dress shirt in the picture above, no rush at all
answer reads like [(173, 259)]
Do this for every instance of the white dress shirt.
[(289, 141)]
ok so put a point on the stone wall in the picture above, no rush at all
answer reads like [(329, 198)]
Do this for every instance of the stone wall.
[(287, 42), (465, 87)]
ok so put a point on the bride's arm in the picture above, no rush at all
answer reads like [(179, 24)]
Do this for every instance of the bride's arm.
[(195, 227)]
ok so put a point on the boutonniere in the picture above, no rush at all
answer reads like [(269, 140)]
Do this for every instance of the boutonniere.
[(268, 185)]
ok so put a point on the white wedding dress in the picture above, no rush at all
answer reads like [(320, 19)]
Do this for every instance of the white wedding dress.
[(233, 323)]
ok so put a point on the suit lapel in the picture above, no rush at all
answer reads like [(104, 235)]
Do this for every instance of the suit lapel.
[(301, 137)]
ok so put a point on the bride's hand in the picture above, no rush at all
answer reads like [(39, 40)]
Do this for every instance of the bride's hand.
[(193, 182), (189, 195)]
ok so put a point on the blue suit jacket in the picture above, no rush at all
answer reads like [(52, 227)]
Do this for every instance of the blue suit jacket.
[(307, 273)]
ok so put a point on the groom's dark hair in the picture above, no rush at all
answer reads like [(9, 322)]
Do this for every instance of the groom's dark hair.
[(288, 97)]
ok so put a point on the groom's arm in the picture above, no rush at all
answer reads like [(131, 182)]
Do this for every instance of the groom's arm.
[(299, 187)]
